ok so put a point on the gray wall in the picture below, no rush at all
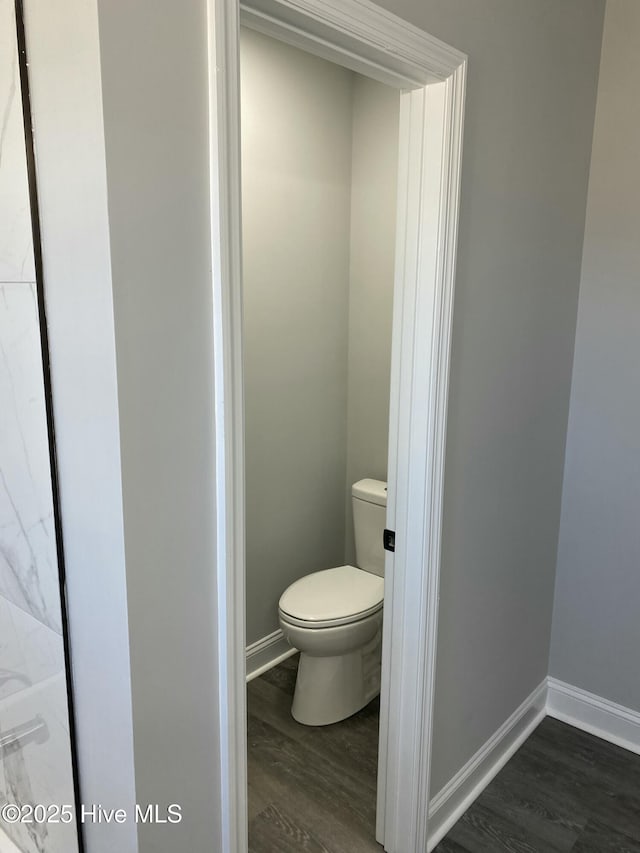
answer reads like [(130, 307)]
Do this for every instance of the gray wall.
[(319, 161), (155, 95), (530, 104), (596, 624), (296, 161), (374, 185)]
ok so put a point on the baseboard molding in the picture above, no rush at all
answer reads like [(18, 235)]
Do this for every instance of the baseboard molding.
[(593, 714), (579, 708), (266, 653), (454, 799)]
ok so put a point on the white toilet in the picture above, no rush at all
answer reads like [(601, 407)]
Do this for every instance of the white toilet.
[(334, 617)]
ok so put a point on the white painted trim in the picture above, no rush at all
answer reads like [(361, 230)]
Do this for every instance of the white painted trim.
[(226, 262), (358, 35), (600, 717), (362, 36), (266, 653), (428, 191), (452, 801)]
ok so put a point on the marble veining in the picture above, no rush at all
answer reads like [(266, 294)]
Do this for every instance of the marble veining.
[(16, 245), (38, 768), (6, 844), (30, 652), (28, 559), (35, 755)]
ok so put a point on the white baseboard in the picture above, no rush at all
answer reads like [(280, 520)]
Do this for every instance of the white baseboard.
[(267, 653), (593, 714), (454, 799)]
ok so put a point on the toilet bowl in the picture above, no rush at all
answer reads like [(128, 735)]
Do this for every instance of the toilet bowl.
[(334, 618)]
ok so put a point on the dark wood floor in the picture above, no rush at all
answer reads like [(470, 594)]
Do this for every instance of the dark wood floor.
[(314, 789), (310, 788)]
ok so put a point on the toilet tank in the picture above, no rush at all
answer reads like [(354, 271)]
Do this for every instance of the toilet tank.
[(369, 499)]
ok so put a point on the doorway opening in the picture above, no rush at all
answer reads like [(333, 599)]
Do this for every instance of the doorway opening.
[(319, 190), (431, 78)]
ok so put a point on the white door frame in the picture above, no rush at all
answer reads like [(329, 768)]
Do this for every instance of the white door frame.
[(361, 36)]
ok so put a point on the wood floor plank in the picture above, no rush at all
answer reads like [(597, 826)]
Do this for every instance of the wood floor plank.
[(448, 845), (331, 829), (481, 830), (283, 676), (323, 776), (522, 792), (602, 838), (591, 755), (272, 705), (606, 797), (302, 768), (273, 829), (530, 810), (352, 744), (313, 788)]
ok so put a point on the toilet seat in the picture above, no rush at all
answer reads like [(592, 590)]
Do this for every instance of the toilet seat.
[(332, 597)]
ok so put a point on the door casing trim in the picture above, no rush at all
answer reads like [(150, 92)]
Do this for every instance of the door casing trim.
[(432, 78)]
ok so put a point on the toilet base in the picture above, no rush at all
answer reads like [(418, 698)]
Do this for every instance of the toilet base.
[(330, 689)]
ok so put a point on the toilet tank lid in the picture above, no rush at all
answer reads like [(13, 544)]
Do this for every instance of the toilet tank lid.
[(373, 491)]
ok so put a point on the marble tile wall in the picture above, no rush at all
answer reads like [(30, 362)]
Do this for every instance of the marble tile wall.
[(35, 767), (28, 564), (33, 694), (7, 845), (16, 248)]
